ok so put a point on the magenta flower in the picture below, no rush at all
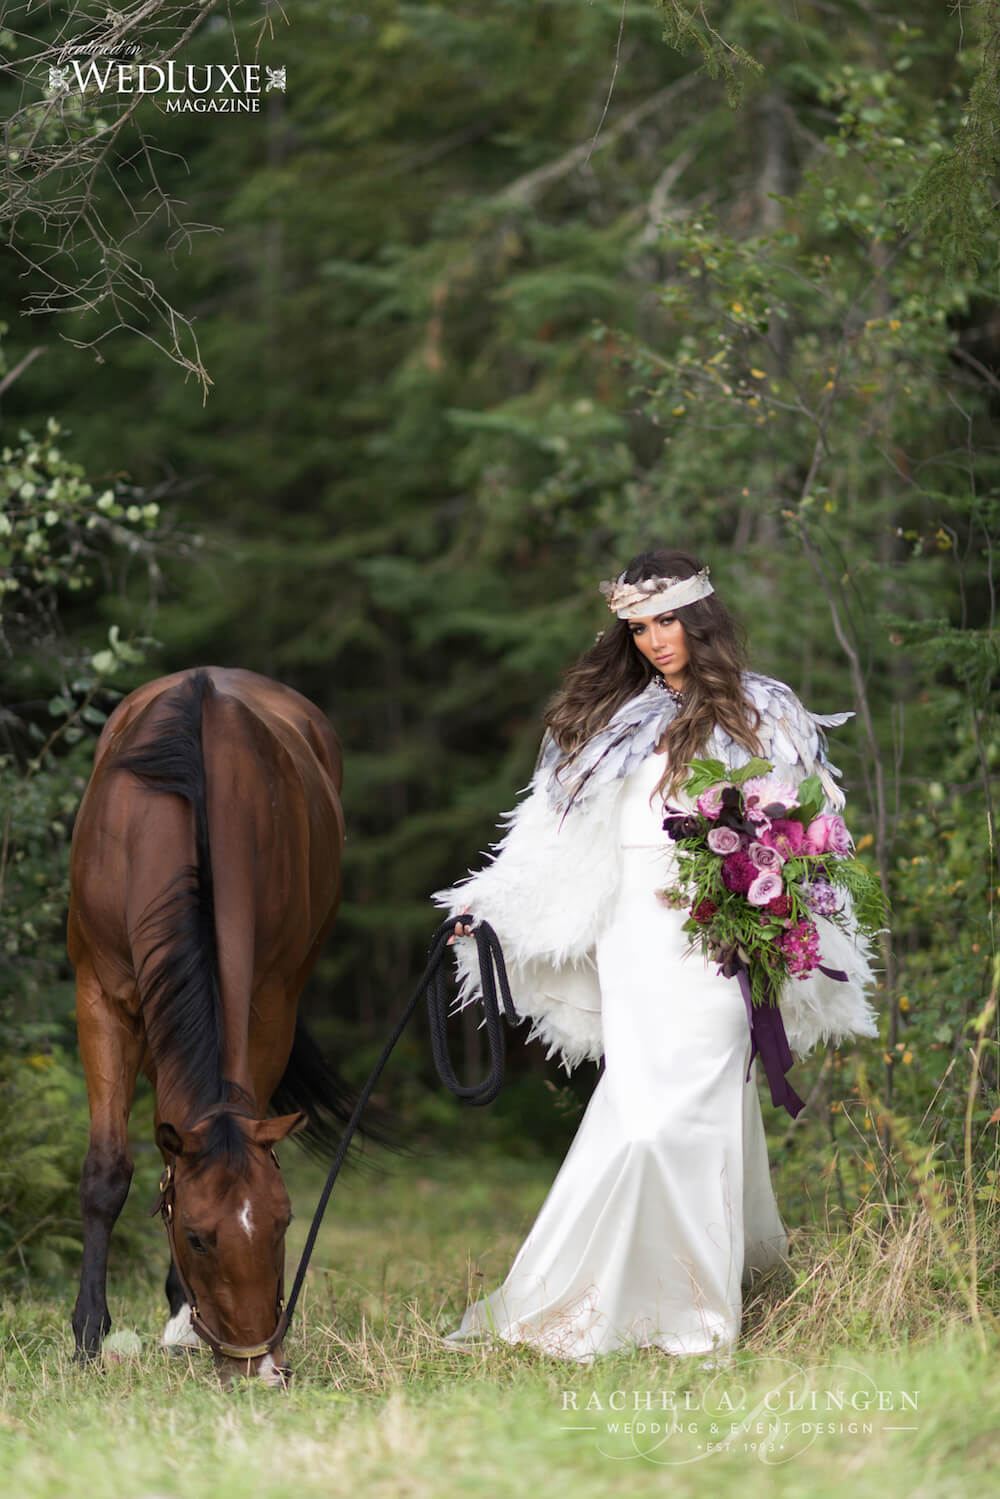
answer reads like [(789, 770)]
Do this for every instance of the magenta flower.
[(738, 873), (800, 946), (786, 835), (766, 857), (724, 840), (827, 834), (709, 804), (766, 887)]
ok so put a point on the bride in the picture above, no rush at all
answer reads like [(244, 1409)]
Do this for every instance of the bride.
[(663, 1208)]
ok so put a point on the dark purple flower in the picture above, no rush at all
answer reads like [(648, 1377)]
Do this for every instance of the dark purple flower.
[(682, 825), (738, 873), (703, 912)]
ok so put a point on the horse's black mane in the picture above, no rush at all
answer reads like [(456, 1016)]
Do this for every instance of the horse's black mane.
[(179, 977)]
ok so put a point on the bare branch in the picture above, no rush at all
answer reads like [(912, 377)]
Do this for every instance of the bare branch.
[(59, 157), (20, 367), (661, 192), (526, 189)]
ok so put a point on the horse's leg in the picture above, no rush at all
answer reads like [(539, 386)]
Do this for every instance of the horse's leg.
[(178, 1332), (111, 1048)]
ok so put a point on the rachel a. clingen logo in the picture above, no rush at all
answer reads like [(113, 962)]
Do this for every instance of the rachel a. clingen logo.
[(796, 1408), (207, 88)]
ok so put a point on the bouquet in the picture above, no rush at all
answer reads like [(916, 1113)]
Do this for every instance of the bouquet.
[(758, 861)]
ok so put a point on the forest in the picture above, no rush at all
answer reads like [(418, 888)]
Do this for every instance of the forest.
[(365, 390)]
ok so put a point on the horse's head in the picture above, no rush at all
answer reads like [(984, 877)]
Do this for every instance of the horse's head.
[(227, 1210)]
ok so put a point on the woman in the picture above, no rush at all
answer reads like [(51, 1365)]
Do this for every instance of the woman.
[(663, 1207)]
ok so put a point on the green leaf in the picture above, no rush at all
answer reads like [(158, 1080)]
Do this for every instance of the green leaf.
[(754, 767), (811, 800), (704, 773)]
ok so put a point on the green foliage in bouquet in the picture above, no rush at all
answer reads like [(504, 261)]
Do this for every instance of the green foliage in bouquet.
[(773, 937)]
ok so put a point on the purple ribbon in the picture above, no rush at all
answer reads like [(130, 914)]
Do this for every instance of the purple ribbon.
[(767, 1036), (767, 1032)]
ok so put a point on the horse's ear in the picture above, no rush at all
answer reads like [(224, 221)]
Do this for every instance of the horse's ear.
[(169, 1140), (270, 1131)]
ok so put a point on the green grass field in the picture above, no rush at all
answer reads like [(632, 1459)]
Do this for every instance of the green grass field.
[(379, 1406)]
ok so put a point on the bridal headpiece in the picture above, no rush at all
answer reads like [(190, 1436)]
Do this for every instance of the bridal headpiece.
[(654, 595)]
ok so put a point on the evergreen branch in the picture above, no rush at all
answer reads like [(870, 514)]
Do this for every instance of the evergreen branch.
[(684, 28), (953, 189)]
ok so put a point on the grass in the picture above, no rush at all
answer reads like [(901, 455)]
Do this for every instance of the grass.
[(379, 1405)]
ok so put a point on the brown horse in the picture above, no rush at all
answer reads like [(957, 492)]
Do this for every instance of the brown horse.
[(205, 875)]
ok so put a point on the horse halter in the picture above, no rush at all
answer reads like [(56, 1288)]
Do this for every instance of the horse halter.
[(164, 1205)]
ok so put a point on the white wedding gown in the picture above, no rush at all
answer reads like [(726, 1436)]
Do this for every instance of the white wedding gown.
[(663, 1205)]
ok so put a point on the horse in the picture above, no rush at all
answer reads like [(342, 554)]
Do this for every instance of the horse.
[(205, 874)]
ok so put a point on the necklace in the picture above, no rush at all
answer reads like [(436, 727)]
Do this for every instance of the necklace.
[(665, 686)]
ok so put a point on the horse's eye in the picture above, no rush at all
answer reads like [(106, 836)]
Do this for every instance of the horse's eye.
[(198, 1245)]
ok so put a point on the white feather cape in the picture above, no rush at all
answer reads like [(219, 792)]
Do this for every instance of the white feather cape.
[(551, 883)]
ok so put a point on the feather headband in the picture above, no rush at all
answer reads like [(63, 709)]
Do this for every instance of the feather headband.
[(654, 595)]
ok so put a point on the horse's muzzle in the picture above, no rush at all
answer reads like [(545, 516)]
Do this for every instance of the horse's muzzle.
[(270, 1370)]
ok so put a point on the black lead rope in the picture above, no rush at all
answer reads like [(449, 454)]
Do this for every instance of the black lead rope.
[(492, 970)]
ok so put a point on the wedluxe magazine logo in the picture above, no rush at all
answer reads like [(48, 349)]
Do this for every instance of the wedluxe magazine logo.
[(179, 88)]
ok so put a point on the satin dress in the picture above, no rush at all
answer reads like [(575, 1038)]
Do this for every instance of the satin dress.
[(663, 1206)]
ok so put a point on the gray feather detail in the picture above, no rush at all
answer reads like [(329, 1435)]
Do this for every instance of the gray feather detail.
[(797, 739), (626, 740), (791, 736)]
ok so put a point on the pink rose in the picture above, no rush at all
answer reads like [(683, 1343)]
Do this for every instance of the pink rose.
[(767, 886), (724, 840), (827, 834), (709, 804), (765, 857), (786, 835)]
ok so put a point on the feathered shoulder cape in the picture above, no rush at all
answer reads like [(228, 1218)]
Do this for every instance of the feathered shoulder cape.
[(552, 879)]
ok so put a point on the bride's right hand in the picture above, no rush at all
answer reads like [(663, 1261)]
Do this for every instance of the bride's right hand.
[(461, 929)]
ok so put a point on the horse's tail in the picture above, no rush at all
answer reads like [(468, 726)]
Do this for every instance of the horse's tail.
[(313, 1084), (178, 973)]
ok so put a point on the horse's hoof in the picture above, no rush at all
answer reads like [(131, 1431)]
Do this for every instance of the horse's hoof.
[(87, 1360)]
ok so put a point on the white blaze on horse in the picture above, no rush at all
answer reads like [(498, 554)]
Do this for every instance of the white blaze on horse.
[(205, 875)]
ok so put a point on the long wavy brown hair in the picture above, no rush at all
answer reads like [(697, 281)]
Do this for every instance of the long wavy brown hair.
[(612, 671)]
